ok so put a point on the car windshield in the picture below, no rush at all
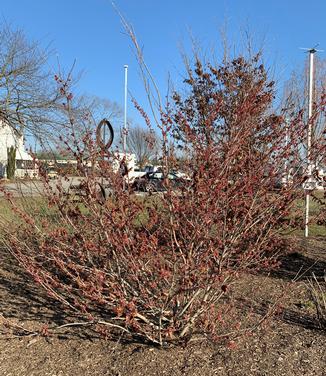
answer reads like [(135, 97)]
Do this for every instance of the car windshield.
[(159, 175)]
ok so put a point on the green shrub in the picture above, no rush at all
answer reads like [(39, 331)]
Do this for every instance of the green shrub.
[(11, 166)]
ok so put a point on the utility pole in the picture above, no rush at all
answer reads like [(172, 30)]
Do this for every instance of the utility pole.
[(309, 182), (125, 130)]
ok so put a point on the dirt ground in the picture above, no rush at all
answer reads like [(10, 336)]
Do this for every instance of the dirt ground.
[(291, 344)]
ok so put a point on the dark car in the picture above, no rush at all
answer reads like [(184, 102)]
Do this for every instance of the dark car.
[(154, 182)]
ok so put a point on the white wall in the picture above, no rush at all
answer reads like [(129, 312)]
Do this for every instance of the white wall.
[(9, 137)]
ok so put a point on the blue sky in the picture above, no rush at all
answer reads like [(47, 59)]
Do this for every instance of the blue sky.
[(90, 32)]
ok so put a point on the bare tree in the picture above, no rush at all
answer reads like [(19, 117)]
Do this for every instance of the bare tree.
[(295, 97), (85, 113), (97, 108), (32, 95), (143, 143), (29, 99), (89, 110)]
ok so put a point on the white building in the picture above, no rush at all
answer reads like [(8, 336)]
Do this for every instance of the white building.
[(24, 162)]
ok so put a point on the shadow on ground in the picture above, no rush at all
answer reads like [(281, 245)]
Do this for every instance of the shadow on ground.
[(299, 267), (24, 301), (21, 299), (309, 259)]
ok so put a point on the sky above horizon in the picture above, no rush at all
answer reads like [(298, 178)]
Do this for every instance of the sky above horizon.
[(90, 32)]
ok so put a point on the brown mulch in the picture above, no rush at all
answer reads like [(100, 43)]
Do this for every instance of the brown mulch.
[(291, 344)]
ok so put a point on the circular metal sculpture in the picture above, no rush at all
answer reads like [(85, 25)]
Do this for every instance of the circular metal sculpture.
[(103, 127), (104, 135)]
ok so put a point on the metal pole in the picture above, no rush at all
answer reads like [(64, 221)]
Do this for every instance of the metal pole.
[(124, 145), (309, 133), (287, 173)]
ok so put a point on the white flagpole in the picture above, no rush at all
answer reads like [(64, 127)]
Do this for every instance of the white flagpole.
[(125, 130), (309, 133)]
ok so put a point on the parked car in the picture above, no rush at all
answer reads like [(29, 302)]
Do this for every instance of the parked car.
[(52, 173), (151, 168), (154, 182)]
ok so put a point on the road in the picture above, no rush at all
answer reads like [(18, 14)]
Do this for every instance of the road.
[(35, 188)]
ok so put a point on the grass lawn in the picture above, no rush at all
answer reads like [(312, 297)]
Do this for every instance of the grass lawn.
[(38, 205), (315, 209)]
